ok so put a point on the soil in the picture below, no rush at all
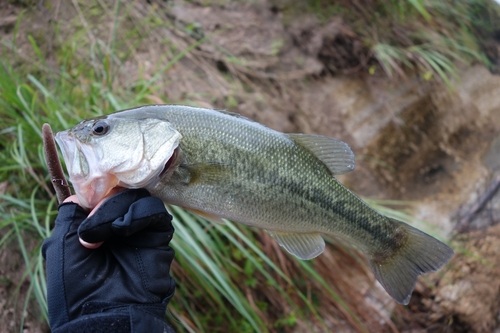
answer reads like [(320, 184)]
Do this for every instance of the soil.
[(414, 140), (13, 294)]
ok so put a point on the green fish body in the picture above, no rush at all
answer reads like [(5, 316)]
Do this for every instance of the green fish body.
[(227, 166)]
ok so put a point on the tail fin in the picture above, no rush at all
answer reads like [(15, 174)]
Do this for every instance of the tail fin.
[(419, 254)]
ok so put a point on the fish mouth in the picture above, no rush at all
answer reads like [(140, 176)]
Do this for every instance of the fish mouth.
[(90, 184), (66, 143)]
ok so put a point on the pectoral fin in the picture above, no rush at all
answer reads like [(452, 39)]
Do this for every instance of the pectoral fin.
[(206, 174), (303, 246), (335, 154)]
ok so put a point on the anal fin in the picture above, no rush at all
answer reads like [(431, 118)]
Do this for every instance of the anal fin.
[(303, 246)]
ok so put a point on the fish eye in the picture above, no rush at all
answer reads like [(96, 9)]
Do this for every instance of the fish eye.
[(101, 127)]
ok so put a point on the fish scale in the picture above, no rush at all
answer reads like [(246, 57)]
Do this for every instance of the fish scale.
[(251, 168), (227, 166)]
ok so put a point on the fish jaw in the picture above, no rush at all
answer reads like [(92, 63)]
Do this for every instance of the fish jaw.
[(90, 184), (92, 192)]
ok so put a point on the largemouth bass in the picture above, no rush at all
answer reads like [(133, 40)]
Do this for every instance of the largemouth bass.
[(223, 165)]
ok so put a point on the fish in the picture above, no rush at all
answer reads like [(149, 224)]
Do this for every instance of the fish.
[(222, 165)]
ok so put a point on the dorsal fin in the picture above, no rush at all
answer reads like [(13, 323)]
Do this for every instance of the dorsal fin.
[(336, 154), (236, 115)]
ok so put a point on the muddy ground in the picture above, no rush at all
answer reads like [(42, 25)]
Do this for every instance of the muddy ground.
[(414, 140)]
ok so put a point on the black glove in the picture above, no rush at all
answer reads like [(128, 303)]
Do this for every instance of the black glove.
[(122, 286)]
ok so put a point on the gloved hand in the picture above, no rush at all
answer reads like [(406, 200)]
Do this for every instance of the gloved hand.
[(122, 286)]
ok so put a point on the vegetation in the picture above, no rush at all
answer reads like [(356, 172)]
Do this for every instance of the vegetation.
[(230, 278), (429, 37)]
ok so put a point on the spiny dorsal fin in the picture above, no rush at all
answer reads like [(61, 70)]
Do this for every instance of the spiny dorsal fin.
[(236, 115), (303, 246), (336, 154)]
